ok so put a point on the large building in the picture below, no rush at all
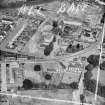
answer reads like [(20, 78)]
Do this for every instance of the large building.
[(11, 75)]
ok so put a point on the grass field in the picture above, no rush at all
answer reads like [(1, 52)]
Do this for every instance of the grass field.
[(61, 94)]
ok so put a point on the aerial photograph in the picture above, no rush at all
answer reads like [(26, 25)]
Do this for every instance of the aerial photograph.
[(52, 52)]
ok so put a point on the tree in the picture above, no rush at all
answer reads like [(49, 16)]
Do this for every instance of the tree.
[(48, 49), (102, 66), (89, 67), (93, 59), (74, 85), (48, 77), (27, 84), (37, 68), (55, 24), (88, 75), (69, 49)]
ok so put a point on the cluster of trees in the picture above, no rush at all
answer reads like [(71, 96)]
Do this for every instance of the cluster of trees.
[(90, 84), (28, 84), (93, 61)]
